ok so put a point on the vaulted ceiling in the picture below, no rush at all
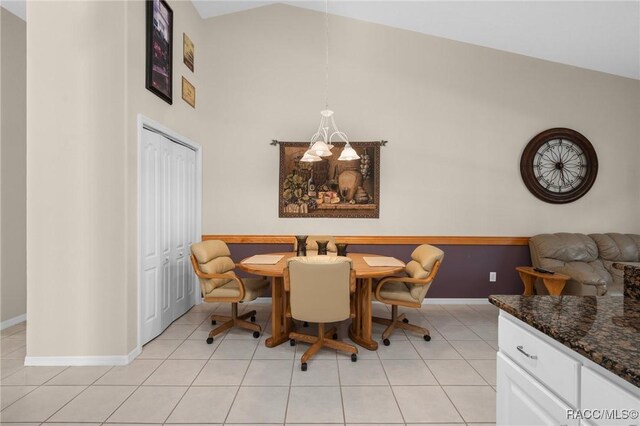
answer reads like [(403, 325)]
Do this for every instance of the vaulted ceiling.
[(597, 35)]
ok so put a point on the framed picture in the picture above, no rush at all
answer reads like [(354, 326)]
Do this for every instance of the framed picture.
[(188, 92), (187, 51), (329, 188), (159, 70)]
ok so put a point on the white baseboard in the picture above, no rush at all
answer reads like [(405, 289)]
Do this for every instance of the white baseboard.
[(426, 301), (456, 301), (82, 360), (13, 321)]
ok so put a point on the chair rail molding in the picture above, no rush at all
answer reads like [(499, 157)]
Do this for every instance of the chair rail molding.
[(379, 240)]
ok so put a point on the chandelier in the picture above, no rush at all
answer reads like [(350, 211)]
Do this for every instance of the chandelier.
[(320, 145)]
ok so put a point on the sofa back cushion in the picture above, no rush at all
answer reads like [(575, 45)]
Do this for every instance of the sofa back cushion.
[(618, 247), (564, 247)]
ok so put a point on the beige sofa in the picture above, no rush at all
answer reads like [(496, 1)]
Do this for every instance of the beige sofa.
[(587, 259)]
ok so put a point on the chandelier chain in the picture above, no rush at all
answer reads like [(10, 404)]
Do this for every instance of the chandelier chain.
[(326, 32)]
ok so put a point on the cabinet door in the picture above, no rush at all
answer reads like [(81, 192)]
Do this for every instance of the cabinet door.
[(608, 403), (523, 401)]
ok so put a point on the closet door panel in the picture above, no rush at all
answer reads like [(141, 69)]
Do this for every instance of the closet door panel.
[(191, 223), (152, 253), (179, 231)]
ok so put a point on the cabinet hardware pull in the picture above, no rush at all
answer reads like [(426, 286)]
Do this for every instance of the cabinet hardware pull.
[(521, 349)]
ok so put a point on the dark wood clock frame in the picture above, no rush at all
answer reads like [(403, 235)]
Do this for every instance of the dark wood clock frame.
[(527, 165)]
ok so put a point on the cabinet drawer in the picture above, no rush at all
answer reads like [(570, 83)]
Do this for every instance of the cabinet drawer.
[(522, 400), (547, 364), (598, 393)]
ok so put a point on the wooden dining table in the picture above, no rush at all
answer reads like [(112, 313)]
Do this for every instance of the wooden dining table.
[(360, 330)]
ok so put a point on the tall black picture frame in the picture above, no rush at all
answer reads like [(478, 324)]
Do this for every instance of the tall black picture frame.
[(159, 68)]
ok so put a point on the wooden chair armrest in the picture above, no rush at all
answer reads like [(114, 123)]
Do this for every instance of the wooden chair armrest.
[(383, 281), (418, 281), (226, 275), (286, 279)]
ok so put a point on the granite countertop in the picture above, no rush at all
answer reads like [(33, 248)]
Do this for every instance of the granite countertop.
[(605, 330)]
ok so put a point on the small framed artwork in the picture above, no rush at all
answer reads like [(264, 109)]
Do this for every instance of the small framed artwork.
[(159, 69), (187, 51), (188, 92), (329, 188)]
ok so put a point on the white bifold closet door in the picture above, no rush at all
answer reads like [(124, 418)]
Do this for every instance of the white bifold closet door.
[(168, 221)]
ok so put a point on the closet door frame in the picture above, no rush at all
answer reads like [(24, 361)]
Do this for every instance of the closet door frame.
[(149, 124)]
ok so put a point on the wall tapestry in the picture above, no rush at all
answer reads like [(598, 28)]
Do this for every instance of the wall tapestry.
[(329, 188)]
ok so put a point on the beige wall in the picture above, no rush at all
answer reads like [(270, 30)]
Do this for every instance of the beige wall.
[(82, 173), (457, 118), (13, 251), (76, 181)]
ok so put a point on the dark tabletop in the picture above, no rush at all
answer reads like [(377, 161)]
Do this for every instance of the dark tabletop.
[(604, 329)]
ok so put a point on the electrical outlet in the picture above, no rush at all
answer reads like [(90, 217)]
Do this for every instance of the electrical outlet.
[(492, 277)]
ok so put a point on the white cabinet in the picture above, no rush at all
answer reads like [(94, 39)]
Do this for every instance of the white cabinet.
[(606, 403), (542, 382), (552, 367), (524, 401)]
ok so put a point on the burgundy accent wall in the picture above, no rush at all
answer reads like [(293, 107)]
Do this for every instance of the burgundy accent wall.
[(464, 272)]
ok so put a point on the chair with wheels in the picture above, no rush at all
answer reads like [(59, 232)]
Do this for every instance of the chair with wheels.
[(320, 289), (408, 290), (213, 265)]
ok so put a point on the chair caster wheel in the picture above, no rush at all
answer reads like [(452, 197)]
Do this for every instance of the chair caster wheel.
[(303, 367), (426, 337), (354, 357), (253, 318), (404, 320), (209, 340), (305, 324), (335, 336), (386, 342), (213, 322), (256, 334), (292, 342)]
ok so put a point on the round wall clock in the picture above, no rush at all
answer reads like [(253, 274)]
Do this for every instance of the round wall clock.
[(559, 165)]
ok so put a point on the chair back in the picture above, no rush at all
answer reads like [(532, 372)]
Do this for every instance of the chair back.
[(424, 265), (319, 288), (211, 257), (312, 245)]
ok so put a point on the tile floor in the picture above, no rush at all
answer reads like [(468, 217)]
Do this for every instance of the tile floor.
[(179, 379)]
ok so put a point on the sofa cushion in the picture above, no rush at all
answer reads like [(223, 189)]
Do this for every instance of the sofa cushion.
[(618, 247), (564, 247)]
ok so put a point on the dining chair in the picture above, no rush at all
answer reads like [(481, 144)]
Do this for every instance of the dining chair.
[(312, 244), (213, 265), (320, 289), (408, 290)]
